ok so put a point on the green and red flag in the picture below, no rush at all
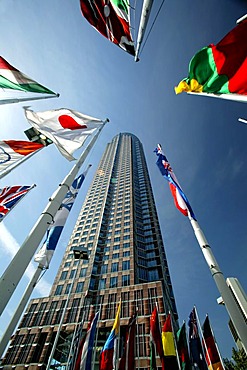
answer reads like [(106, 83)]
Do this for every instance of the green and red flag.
[(111, 19), (211, 352), (220, 68), (183, 351), (12, 78)]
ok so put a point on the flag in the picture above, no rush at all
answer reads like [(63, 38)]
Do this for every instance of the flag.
[(44, 255), (220, 68), (170, 356), (152, 356), (109, 353), (11, 78), (179, 197), (10, 196), (183, 351), (67, 128), (127, 361), (12, 151), (84, 360), (211, 351), (155, 336), (111, 19), (196, 352)]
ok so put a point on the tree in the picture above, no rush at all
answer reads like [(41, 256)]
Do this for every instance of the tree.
[(238, 362)]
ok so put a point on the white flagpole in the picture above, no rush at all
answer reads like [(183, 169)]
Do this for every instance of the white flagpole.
[(242, 120), (21, 306), (16, 100), (17, 163), (146, 9), (230, 304), (12, 275), (235, 97)]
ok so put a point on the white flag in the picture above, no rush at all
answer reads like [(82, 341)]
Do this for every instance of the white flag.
[(67, 128)]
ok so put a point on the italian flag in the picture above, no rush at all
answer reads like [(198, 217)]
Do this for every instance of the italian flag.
[(12, 78), (220, 68)]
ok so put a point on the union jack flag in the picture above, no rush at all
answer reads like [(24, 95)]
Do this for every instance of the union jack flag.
[(10, 196)]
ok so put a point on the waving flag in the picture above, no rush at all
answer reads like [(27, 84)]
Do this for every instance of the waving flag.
[(44, 255), (11, 78), (67, 128), (12, 151), (84, 361), (109, 353), (111, 19), (183, 351), (220, 68), (127, 361), (10, 196), (169, 345), (179, 197), (155, 338), (211, 350), (196, 352)]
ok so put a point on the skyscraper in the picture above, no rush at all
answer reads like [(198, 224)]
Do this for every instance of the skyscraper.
[(118, 227)]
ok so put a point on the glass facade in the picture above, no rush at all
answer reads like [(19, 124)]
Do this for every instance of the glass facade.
[(119, 227)]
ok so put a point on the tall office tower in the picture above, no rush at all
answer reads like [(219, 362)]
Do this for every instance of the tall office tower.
[(119, 227)]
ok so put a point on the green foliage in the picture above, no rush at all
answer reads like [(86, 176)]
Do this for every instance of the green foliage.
[(238, 361)]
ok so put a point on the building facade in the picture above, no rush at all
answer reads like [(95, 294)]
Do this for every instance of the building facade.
[(118, 226)]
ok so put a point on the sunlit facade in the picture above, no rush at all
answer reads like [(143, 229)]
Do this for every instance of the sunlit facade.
[(118, 226)]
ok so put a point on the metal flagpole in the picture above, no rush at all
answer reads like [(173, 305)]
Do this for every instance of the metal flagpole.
[(16, 100), (204, 347), (234, 97), (146, 9), (137, 335), (14, 272), (97, 330), (230, 304), (175, 341), (48, 366), (21, 306)]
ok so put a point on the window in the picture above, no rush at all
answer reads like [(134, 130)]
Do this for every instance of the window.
[(126, 265), (113, 282), (117, 239), (115, 255), (63, 275), (83, 272), (59, 290), (126, 245), (126, 253), (72, 274), (125, 280), (67, 264), (153, 275), (116, 247), (104, 269), (79, 287), (114, 267), (102, 283), (67, 290)]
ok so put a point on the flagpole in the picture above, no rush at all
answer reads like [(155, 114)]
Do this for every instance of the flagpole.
[(216, 345), (18, 163), (137, 332), (16, 100), (175, 341), (14, 272), (21, 306), (204, 348), (48, 366), (230, 304), (234, 97)]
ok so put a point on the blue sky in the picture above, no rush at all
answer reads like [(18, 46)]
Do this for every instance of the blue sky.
[(205, 144)]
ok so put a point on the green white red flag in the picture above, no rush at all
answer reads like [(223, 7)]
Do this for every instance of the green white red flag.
[(12, 78)]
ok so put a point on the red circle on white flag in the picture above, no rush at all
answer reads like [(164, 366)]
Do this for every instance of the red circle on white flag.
[(69, 123)]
